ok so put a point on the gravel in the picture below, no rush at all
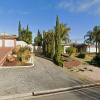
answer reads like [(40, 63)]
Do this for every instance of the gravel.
[(45, 75)]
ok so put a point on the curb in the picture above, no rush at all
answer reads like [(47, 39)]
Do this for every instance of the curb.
[(4, 67), (16, 96), (64, 89)]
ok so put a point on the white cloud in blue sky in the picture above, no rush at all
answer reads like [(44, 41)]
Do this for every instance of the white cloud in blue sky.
[(89, 6)]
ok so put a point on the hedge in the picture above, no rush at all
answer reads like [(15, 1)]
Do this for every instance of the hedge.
[(81, 55), (95, 61)]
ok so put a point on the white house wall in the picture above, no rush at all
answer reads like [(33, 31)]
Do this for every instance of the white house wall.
[(0, 43), (92, 49), (9, 43), (22, 43), (65, 47)]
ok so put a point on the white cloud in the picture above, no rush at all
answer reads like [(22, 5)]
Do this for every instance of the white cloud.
[(81, 6)]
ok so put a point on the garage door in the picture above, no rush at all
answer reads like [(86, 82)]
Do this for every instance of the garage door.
[(0, 43), (9, 43)]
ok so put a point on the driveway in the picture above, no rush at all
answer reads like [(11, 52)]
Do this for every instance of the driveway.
[(45, 75)]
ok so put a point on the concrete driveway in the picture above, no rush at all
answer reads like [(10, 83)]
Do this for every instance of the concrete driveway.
[(45, 75)]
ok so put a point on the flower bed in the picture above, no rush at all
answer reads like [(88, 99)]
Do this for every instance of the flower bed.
[(20, 57)]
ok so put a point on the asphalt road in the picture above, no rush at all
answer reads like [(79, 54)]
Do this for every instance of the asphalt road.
[(91, 93)]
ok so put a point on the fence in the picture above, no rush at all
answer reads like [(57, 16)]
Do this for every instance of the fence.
[(35, 49)]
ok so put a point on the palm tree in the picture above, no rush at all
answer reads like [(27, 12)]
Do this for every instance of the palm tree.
[(64, 30)]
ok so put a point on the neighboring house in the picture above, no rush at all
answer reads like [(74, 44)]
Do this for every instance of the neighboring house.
[(84, 47), (7, 40), (7, 43), (81, 47)]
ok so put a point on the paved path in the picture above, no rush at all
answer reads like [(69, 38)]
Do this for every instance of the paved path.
[(45, 75)]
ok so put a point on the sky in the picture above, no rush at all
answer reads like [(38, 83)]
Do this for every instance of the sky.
[(80, 15)]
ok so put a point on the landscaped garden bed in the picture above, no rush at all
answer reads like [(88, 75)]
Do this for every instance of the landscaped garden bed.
[(70, 62), (16, 62), (20, 56)]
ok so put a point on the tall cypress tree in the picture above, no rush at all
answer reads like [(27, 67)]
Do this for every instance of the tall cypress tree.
[(19, 31), (57, 40), (52, 44), (27, 28), (44, 41), (38, 39)]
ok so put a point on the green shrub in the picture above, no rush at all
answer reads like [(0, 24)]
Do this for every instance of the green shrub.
[(90, 70), (25, 48), (67, 60), (59, 63), (95, 61), (70, 50), (20, 56), (81, 55), (81, 70), (85, 68)]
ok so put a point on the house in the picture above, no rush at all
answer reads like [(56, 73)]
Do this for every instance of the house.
[(81, 47), (7, 40), (84, 47), (7, 43)]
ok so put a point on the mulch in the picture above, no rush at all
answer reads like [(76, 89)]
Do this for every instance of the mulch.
[(71, 62)]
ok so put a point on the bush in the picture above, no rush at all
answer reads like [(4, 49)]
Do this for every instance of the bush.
[(81, 55), (26, 48), (16, 49), (20, 56), (70, 50), (60, 63), (95, 61), (67, 60), (25, 56)]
